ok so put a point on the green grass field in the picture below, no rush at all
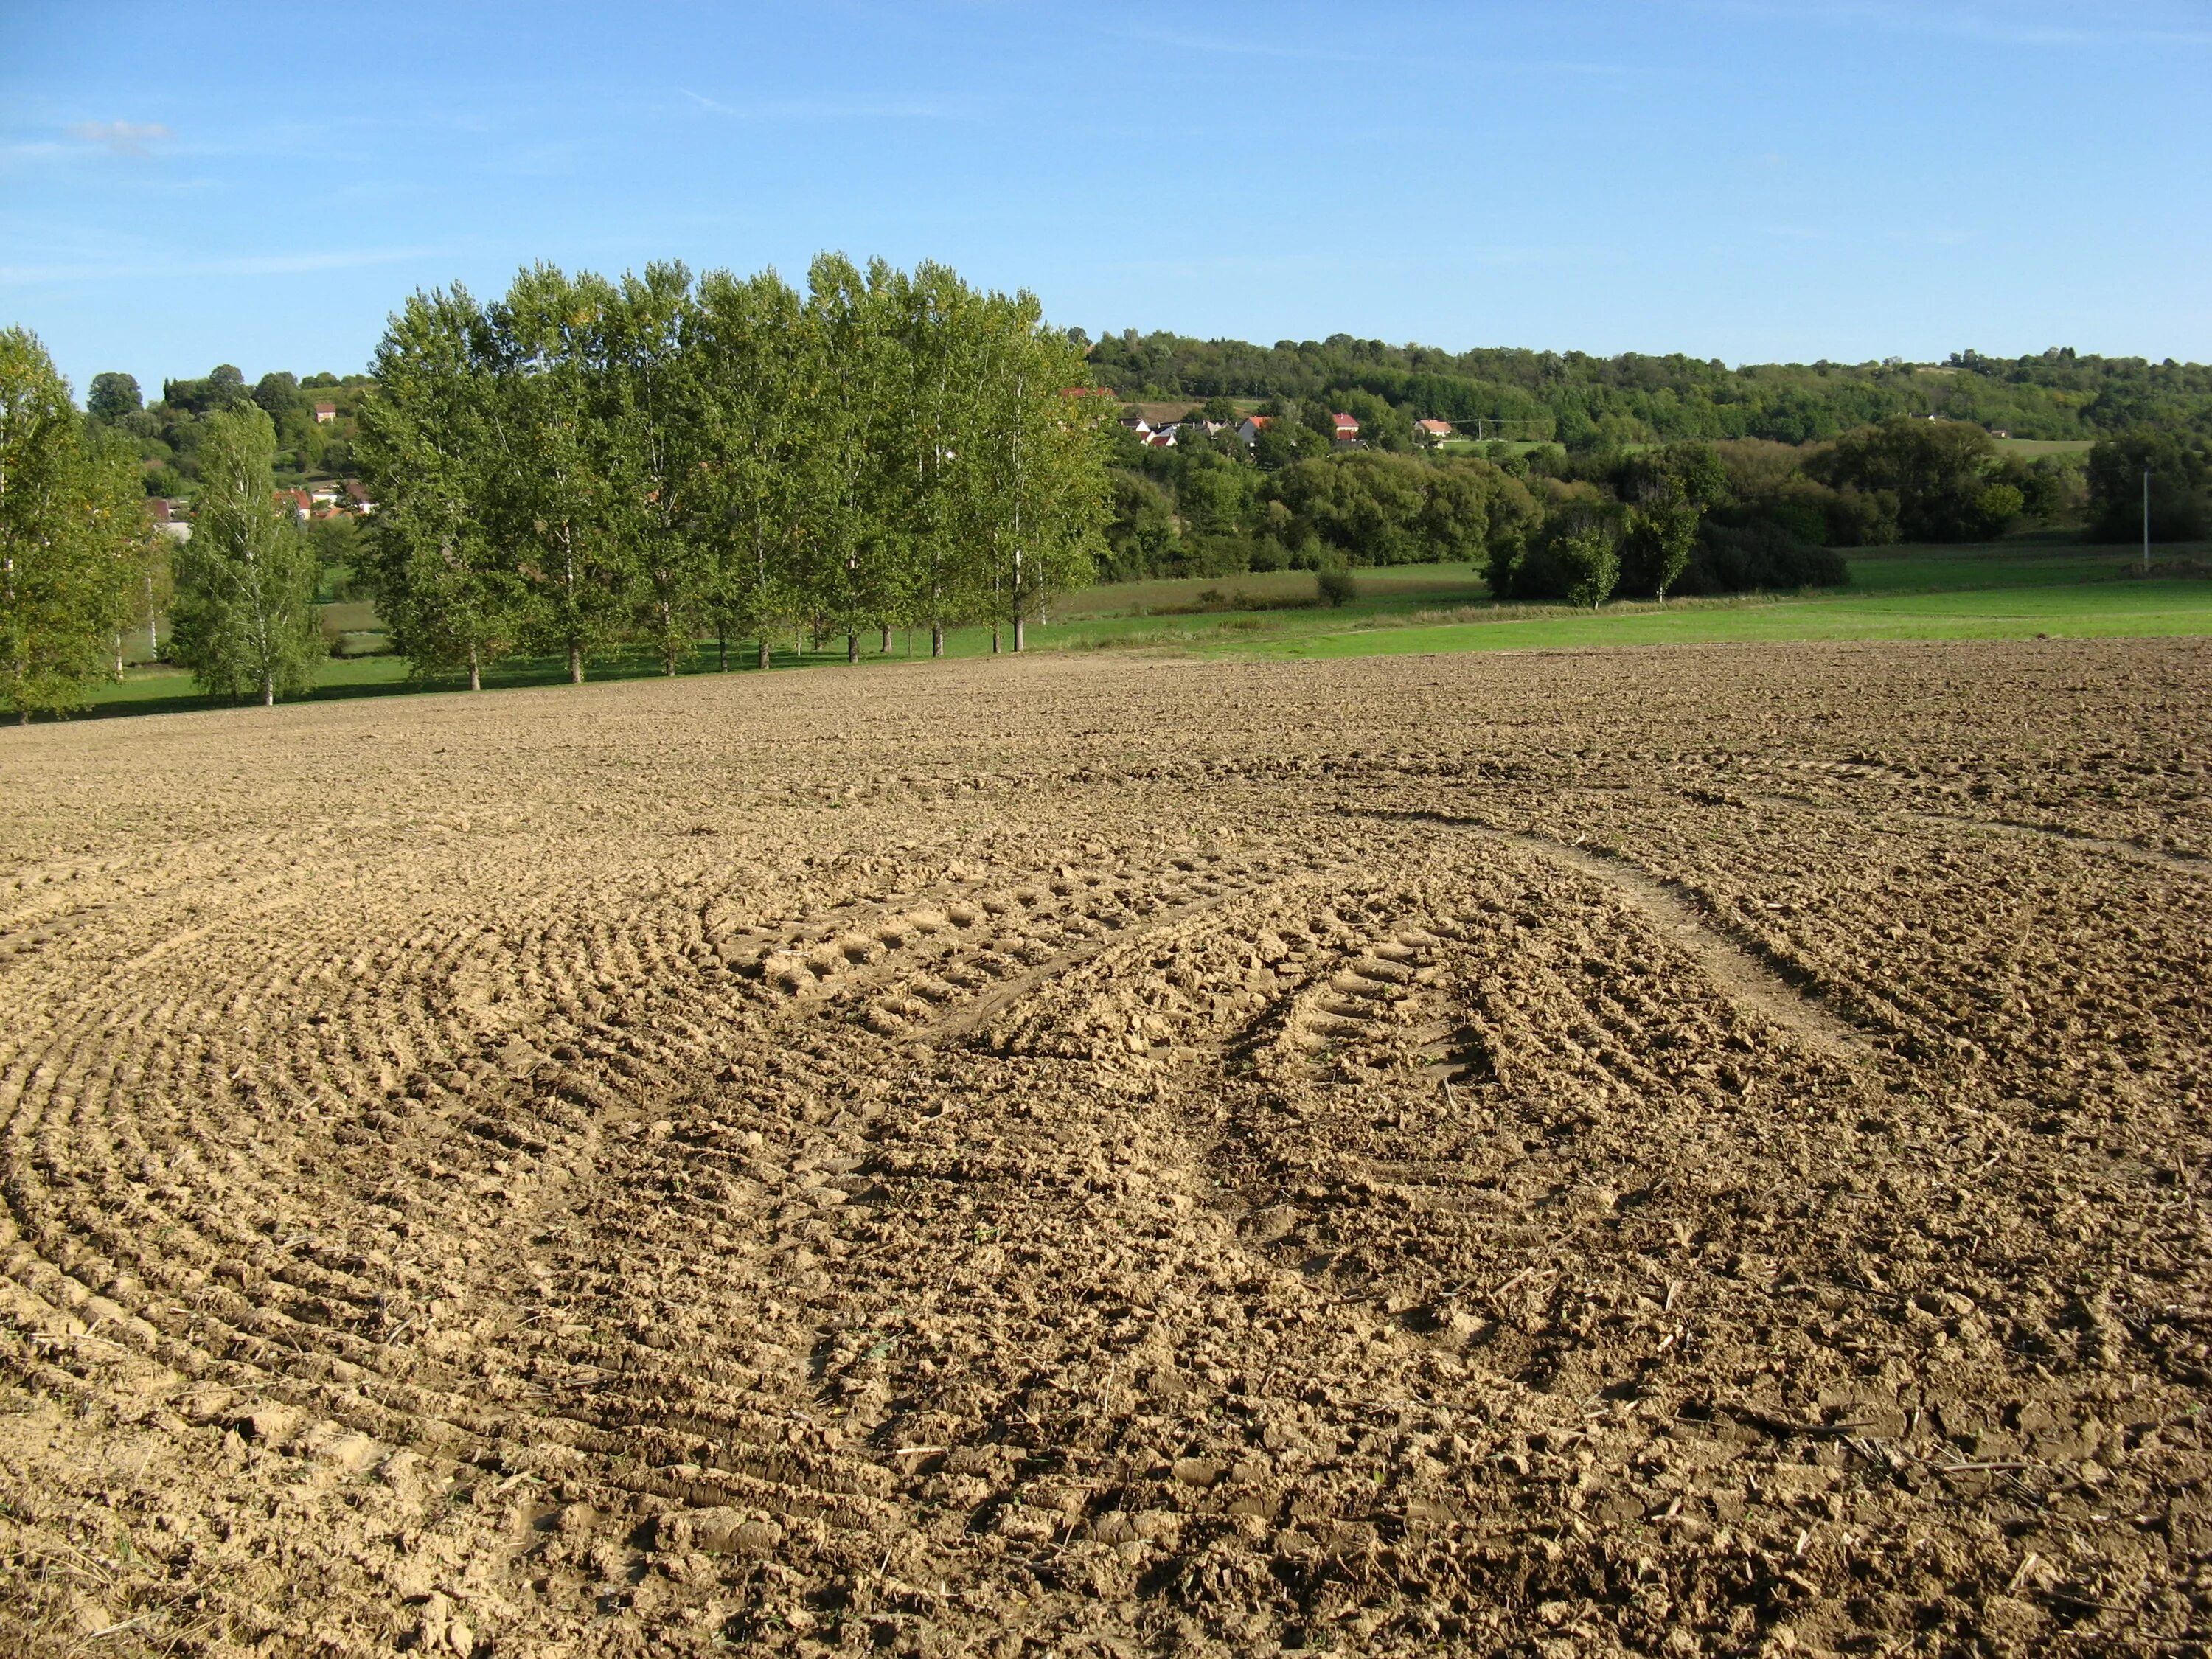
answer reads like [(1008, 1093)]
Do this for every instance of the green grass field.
[(2102, 611), (2029, 448), (2030, 585)]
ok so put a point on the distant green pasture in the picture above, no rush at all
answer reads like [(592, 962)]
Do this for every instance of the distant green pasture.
[(2106, 609), (2024, 586), (2029, 448)]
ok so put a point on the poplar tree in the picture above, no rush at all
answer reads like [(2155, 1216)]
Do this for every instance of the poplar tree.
[(650, 441), (584, 463), (75, 540), (936, 317), (243, 621), (442, 587), (856, 566), (757, 378), (547, 499), (1037, 495)]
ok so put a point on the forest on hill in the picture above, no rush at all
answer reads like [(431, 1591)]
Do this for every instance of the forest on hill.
[(314, 418), (1579, 400), (1649, 475)]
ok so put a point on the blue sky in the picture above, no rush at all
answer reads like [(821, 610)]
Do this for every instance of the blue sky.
[(183, 184)]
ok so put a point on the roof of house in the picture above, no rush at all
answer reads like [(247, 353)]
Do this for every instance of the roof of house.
[(1258, 422), (327, 408), (1441, 428), (1343, 420)]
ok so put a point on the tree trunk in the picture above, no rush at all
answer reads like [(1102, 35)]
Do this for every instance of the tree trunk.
[(722, 652), (887, 640), (475, 671), (852, 647), (268, 691), (575, 663), (764, 653), (1021, 632), (936, 638), (994, 636)]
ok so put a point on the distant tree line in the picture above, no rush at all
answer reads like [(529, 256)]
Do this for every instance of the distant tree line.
[(1644, 521), (587, 463), (1581, 401)]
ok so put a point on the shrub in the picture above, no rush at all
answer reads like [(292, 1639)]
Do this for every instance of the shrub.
[(1590, 558), (1336, 587), (1734, 559)]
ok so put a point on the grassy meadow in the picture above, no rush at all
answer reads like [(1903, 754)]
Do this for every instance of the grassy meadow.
[(2023, 588)]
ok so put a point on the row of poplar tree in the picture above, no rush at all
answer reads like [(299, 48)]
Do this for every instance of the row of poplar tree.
[(587, 463)]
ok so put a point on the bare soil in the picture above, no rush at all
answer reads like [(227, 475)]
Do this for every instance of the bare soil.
[(1687, 1151)]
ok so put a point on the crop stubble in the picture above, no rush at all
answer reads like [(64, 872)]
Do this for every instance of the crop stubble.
[(1676, 1152)]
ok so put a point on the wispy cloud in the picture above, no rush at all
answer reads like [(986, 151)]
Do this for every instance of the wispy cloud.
[(826, 109), (2012, 26), (136, 138)]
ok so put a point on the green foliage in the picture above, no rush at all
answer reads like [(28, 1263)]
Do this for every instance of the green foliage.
[(113, 396), (75, 541), (585, 465), (1366, 508), (167, 434), (1997, 506), (1759, 555), (337, 540), (1336, 586), (1590, 558), (1934, 469), (1141, 537), (2178, 472), (1589, 402), (444, 589), (1663, 535), (246, 580)]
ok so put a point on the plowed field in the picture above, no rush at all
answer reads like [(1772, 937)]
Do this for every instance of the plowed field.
[(1687, 1152)]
